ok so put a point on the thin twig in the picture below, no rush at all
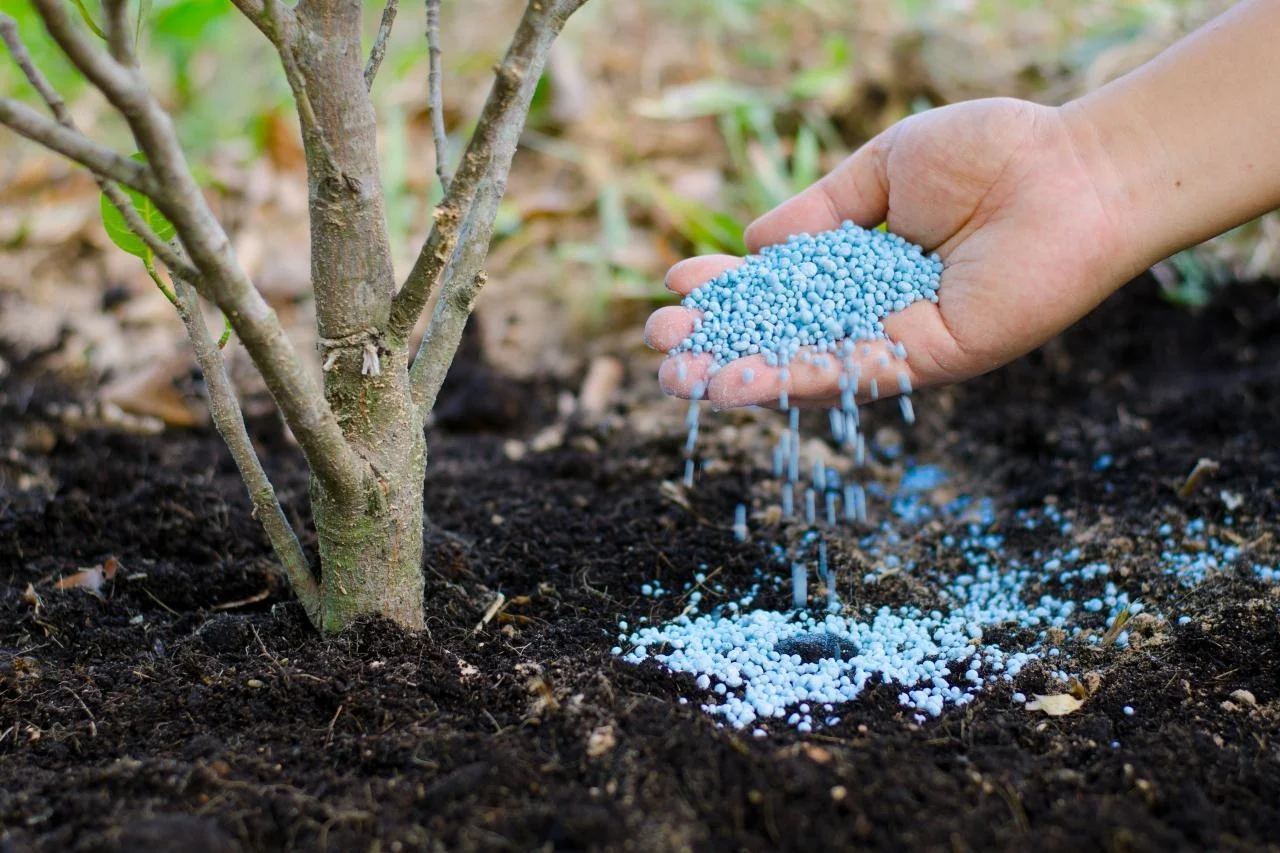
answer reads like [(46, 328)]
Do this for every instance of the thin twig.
[(223, 402), (244, 602), (328, 739), (379, 50), (93, 724), (435, 89), (228, 418), (180, 198), (487, 158), (481, 180)]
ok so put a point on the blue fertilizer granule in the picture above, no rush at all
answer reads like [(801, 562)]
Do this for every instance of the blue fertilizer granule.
[(813, 291)]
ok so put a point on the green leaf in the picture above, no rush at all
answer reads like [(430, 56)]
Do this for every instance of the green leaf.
[(615, 228), (88, 19), (710, 231), (118, 230)]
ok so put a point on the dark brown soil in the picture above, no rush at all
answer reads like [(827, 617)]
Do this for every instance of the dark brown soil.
[(150, 719)]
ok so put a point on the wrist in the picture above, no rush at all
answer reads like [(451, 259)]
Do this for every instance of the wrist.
[(1182, 148), (1127, 166)]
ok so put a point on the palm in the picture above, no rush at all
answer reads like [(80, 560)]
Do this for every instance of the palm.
[(995, 188)]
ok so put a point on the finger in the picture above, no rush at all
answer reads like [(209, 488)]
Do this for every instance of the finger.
[(730, 388), (873, 370), (746, 381), (692, 273), (858, 189), (682, 373), (668, 326), (932, 354)]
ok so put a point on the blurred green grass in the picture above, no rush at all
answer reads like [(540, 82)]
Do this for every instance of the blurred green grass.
[(785, 88)]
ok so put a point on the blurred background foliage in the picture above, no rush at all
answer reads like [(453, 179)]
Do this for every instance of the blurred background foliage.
[(661, 128)]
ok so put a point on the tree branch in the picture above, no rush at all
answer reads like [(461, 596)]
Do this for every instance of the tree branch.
[(279, 22), (61, 136), (435, 87), (444, 334), (379, 50), (229, 420), (22, 58), (488, 154), (179, 198), (119, 39), (25, 121), (462, 284), (254, 11)]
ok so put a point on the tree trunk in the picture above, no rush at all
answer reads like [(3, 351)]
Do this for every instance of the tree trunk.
[(370, 532), (371, 547), (371, 540)]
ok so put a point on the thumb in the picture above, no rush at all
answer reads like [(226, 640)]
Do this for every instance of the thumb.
[(857, 189)]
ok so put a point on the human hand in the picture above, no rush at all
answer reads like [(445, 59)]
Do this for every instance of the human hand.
[(998, 189)]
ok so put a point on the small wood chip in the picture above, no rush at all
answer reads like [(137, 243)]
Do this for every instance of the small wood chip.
[(1204, 467), (1056, 705), (491, 611)]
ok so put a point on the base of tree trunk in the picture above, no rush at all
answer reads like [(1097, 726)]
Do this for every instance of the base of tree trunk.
[(371, 550)]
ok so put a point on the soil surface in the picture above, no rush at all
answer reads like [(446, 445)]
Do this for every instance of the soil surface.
[(188, 707)]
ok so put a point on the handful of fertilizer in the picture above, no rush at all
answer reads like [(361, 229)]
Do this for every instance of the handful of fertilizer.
[(821, 292)]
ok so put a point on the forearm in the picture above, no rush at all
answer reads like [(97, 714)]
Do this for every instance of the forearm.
[(1186, 146)]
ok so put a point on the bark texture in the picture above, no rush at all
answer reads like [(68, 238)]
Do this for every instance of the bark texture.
[(371, 539)]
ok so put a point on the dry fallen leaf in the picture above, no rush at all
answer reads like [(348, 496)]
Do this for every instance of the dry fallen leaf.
[(153, 393), (1057, 705), (89, 580), (599, 386)]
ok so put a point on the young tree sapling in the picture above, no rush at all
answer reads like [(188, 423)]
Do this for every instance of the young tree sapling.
[(361, 432)]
